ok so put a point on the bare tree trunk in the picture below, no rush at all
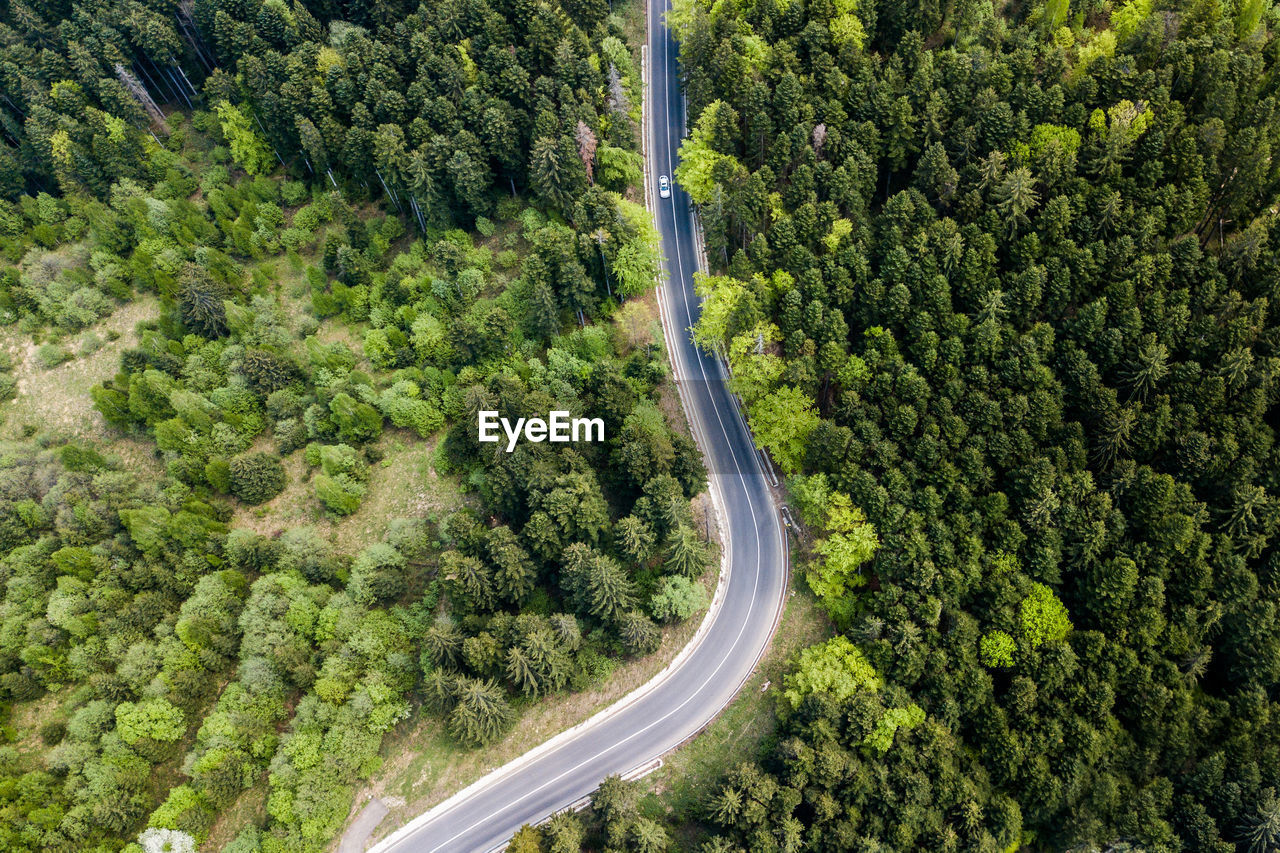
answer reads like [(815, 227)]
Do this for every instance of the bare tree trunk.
[(142, 96)]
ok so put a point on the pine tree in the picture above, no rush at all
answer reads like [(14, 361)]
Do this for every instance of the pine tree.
[(639, 635), (520, 672), (686, 555), (481, 714), (442, 645), (636, 539), (556, 172), (201, 301), (514, 574), (610, 592)]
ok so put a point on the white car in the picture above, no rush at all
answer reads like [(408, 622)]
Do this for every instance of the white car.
[(664, 186)]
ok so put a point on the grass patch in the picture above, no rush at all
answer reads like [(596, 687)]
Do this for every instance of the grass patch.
[(56, 400)]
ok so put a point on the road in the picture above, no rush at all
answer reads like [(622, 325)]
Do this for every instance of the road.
[(742, 620)]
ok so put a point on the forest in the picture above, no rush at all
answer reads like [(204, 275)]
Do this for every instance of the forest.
[(349, 228), (998, 286)]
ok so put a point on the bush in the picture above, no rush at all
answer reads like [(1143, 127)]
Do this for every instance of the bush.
[(341, 493), (53, 732), (377, 575), (336, 459), (304, 550), (267, 372), (51, 355), (291, 434), (218, 472), (356, 421), (676, 599), (256, 477), (293, 192)]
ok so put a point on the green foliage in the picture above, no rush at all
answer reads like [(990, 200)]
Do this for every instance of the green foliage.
[(1042, 618), (256, 477), (782, 422), (201, 300), (247, 147), (849, 544), (341, 493), (676, 599), (1005, 289), (51, 355), (702, 154), (292, 683), (155, 719), (835, 668), (481, 714), (377, 574), (997, 649)]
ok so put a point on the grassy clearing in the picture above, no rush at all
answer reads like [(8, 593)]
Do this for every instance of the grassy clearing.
[(27, 717), (402, 485), (56, 401), (739, 733)]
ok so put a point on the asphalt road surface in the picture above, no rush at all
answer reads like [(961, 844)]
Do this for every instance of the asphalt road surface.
[(707, 678)]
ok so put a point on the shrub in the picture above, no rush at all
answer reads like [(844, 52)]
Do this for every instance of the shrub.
[(267, 372), (336, 459), (377, 575), (291, 434), (256, 477), (303, 549), (53, 732), (51, 355), (676, 599), (293, 192), (356, 421), (218, 472), (341, 494)]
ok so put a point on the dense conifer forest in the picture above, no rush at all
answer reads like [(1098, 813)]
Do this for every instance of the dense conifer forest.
[(999, 288)]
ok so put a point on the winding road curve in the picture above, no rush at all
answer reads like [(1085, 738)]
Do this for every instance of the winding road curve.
[(707, 675)]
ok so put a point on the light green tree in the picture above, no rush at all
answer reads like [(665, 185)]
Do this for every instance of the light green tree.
[(157, 719), (1042, 617), (247, 147), (835, 667), (782, 421)]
